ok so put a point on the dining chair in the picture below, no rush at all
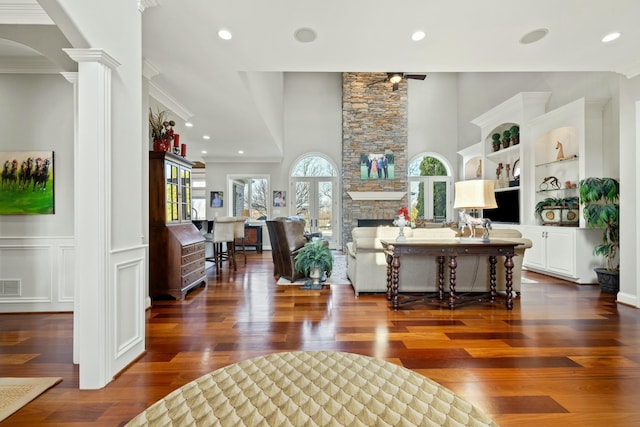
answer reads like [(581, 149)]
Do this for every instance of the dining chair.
[(223, 242), (239, 234)]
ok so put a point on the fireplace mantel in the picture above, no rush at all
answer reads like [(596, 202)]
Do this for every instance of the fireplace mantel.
[(376, 195)]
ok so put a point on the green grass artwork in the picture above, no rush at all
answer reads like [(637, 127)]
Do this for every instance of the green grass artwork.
[(26, 186)]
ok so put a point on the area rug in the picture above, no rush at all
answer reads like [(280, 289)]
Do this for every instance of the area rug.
[(17, 392), (312, 388), (338, 275)]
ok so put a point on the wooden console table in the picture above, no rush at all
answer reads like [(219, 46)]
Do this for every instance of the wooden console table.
[(451, 248)]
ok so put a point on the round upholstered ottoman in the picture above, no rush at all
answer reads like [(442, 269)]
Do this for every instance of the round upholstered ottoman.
[(312, 388)]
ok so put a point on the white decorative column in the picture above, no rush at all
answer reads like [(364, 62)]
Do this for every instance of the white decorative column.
[(73, 79), (93, 220)]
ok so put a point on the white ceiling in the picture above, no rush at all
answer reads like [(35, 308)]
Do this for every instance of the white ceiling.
[(232, 90)]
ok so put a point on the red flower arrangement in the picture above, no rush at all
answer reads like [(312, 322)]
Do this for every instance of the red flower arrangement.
[(403, 211)]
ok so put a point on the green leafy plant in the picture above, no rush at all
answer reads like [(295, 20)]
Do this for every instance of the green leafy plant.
[(514, 131), (599, 198), (556, 202), (315, 253), (496, 137), (543, 204), (506, 136)]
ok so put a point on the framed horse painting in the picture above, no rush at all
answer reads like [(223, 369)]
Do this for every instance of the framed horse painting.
[(27, 183)]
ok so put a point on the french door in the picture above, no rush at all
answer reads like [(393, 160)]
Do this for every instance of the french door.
[(431, 197), (316, 201)]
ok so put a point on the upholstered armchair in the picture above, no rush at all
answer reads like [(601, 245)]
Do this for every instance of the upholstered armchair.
[(286, 236)]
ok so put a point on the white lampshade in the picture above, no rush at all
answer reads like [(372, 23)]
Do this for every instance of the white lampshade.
[(475, 194)]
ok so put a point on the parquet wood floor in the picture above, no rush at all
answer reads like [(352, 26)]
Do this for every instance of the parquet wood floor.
[(566, 355)]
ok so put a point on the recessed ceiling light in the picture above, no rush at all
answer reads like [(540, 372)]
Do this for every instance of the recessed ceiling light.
[(417, 36), (534, 36), (225, 34), (204, 151), (206, 137), (610, 37), (305, 35), (240, 152), (188, 124)]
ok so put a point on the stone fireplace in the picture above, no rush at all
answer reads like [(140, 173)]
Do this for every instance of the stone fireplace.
[(374, 120)]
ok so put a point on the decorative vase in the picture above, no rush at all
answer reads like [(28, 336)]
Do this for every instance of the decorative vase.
[(161, 145), (315, 274), (401, 222), (506, 143)]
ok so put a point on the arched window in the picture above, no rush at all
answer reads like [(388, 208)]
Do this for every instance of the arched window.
[(314, 182), (430, 188), (313, 165)]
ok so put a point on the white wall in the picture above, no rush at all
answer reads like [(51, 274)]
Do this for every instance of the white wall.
[(36, 114), (479, 92), (433, 125), (312, 124)]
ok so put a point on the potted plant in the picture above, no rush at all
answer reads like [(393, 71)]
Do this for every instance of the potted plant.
[(506, 139), (558, 211), (514, 132), (496, 141), (314, 259), (599, 198), (161, 130)]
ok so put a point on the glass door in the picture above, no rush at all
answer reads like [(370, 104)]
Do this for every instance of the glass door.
[(431, 198), (317, 204), (171, 177)]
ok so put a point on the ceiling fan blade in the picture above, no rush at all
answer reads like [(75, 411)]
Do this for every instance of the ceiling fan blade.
[(415, 76)]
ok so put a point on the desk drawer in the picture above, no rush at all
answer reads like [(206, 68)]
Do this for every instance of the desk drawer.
[(187, 259), (192, 266), (189, 249), (193, 276)]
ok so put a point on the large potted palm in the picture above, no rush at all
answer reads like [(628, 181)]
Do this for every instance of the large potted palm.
[(599, 198), (313, 260)]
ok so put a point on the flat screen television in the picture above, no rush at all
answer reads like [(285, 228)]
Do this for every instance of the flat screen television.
[(508, 210)]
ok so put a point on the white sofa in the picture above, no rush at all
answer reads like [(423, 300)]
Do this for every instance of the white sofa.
[(367, 266)]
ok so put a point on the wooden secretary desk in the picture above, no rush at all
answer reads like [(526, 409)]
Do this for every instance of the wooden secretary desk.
[(176, 247)]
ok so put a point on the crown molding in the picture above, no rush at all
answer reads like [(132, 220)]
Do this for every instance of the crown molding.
[(26, 12), (630, 70), (71, 76), (28, 65), (149, 70), (146, 4), (92, 55), (168, 101)]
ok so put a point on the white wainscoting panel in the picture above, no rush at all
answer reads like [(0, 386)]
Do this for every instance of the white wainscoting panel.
[(66, 273), (43, 266), (128, 282)]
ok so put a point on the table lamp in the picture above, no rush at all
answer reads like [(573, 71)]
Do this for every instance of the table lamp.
[(470, 196)]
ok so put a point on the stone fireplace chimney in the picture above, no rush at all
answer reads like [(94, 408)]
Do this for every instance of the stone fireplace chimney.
[(374, 121)]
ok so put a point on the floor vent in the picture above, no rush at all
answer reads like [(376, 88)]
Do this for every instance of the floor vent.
[(10, 288)]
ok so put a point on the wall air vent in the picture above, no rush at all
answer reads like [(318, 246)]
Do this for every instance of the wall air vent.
[(10, 288)]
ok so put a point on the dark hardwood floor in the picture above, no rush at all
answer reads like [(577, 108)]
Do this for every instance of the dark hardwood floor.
[(566, 355)]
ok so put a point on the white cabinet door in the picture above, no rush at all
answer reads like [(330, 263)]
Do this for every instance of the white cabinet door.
[(535, 255), (561, 254), (565, 252)]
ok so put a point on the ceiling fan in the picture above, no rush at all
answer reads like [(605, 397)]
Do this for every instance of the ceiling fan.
[(396, 78)]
